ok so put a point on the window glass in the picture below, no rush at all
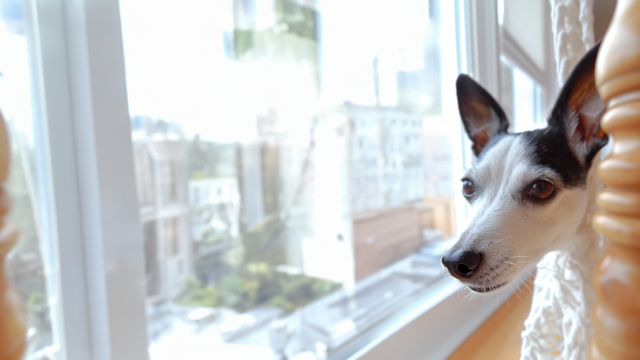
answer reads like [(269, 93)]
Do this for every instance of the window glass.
[(525, 21), (28, 266), (521, 98), (294, 168)]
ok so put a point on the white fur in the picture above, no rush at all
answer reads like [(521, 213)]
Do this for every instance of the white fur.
[(512, 233)]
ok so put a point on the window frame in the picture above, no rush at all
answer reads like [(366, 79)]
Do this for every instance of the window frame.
[(90, 200), (79, 70)]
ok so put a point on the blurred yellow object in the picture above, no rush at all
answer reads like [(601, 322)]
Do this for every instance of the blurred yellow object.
[(13, 320)]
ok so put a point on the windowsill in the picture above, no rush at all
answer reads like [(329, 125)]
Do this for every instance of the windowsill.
[(434, 329), (409, 298), (499, 338)]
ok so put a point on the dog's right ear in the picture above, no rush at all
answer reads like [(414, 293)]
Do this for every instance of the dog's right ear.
[(481, 115)]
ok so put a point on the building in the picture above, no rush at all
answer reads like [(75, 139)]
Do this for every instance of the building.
[(369, 203), (162, 182)]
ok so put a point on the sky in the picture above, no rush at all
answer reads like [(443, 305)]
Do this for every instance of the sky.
[(177, 70)]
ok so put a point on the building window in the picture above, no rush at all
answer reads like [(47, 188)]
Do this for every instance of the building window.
[(152, 258), (145, 176), (170, 230), (168, 185)]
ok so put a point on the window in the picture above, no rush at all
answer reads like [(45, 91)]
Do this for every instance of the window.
[(527, 86), (171, 234), (151, 256), (307, 142), (524, 22), (145, 173), (282, 180), (521, 98), (168, 181)]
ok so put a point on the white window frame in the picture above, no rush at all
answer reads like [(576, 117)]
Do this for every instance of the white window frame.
[(91, 205), (86, 140), (515, 55)]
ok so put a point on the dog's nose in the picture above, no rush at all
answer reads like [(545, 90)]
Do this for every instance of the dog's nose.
[(461, 263)]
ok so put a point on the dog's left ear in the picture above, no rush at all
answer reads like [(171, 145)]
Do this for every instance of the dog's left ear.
[(578, 111)]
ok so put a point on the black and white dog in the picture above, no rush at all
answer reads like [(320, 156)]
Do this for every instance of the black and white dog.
[(528, 190)]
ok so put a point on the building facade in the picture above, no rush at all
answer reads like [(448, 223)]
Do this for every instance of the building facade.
[(162, 182), (369, 203)]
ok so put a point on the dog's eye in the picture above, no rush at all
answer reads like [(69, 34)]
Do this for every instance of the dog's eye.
[(541, 189), (468, 189)]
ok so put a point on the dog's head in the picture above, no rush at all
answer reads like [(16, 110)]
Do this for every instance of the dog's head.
[(528, 190)]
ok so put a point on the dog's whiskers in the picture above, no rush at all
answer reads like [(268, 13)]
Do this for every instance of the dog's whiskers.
[(527, 270), (530, 257), (522, 281), (535, 262), (518, 278), (503, 239), (541, 267)]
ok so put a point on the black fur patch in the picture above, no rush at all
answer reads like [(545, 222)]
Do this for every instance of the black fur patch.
[(550, 148)]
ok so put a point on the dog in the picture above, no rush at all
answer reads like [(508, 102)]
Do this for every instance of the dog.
[(527, 191)]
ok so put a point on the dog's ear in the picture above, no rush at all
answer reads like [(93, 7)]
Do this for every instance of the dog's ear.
[(578, 111), (481, 115)]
